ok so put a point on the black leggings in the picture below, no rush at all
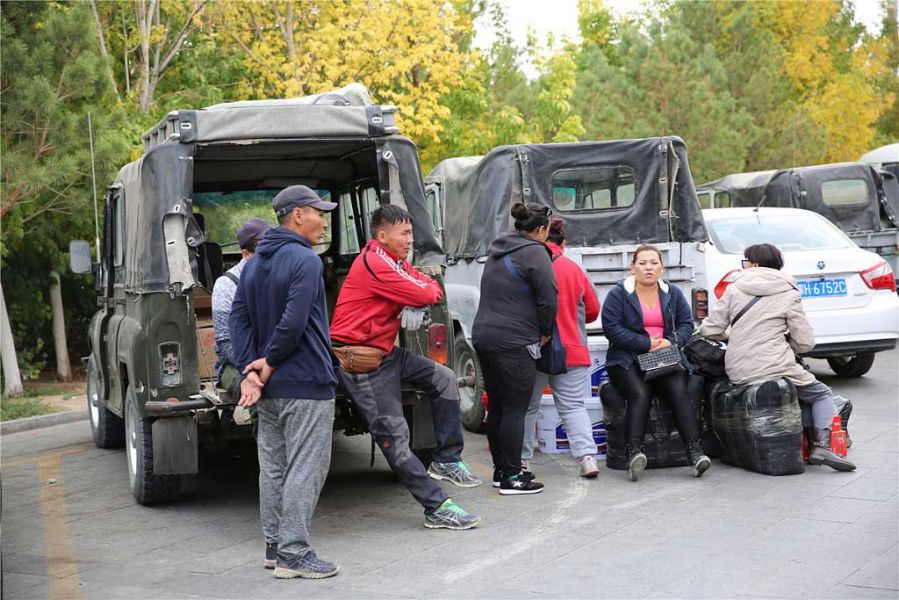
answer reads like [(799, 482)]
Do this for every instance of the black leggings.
[(509, 381), (638, 393)]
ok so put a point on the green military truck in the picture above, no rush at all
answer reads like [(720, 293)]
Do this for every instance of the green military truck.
[(169, 232)]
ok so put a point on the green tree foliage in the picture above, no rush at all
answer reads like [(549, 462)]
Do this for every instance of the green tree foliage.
[(52, 76), (662, 82), (748, 85)]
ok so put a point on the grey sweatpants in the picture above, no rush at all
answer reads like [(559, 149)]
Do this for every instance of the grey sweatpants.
[(294, 446), (570, 391), (816, 401)]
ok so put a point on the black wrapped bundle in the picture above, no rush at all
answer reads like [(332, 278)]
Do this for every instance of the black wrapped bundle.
[(662, 443), (759, 426)]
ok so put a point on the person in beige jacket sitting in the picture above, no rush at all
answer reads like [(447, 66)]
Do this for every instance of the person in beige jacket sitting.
[(764, 343)]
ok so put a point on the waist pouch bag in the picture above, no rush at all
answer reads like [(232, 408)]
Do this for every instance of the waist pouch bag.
[(662, 443), (552, 355), (659, 363), (759, 426), (358, 359)]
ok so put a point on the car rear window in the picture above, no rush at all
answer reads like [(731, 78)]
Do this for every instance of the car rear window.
[(224, 212), (788, 232), (602, 187), (844, 192)]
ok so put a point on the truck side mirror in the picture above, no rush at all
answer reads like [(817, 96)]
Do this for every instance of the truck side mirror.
[(80, 256)]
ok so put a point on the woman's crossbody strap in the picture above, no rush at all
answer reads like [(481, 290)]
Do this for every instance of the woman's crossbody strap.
[(744, 309)]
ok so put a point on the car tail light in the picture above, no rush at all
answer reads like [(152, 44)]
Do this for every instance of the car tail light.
[(879, 277), (728, 279), (437, 343), (700, 299)]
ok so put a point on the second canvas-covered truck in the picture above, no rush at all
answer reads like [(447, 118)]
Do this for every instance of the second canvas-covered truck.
[(613, 195), (169, 233)]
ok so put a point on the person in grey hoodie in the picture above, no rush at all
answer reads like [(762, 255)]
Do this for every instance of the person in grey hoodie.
[(764, 343), (516, 313)]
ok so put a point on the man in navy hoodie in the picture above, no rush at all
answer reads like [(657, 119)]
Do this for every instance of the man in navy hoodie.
[(280, 341)]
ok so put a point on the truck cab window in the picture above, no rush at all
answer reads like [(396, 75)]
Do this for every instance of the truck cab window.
[(223, 212), (844, 192), (593, 188)]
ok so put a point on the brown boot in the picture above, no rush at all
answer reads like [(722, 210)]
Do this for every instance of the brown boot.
[(821, 454)]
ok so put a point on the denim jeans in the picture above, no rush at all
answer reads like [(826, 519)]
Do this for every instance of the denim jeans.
[(816, 402), (570, 391)]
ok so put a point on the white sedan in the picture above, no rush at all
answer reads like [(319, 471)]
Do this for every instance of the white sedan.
[(849, 294)]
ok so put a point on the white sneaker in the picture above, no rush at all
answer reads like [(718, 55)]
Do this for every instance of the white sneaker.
[(589, 469)]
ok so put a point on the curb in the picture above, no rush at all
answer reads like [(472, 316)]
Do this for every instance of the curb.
[(41, 421)]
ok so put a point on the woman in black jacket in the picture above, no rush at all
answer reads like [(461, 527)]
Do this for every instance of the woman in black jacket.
[(515, 318), (642, 314)]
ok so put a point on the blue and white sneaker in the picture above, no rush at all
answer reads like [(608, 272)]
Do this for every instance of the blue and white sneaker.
[(308, 566), (457, 473), (450, 515)]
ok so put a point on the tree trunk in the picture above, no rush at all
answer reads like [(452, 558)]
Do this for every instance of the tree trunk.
[(63, 365), (103, 52), (144, 17), (12, 379)]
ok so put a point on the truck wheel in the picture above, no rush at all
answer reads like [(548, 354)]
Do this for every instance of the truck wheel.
[(466, 363), (147, 487), (107, 428), (854, 365)]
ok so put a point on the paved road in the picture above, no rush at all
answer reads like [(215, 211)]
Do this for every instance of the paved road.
[(732, 533)]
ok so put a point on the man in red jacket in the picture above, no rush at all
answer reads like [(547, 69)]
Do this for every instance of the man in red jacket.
[(381, 291)]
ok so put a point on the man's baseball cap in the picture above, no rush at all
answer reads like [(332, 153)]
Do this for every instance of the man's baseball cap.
[(253, 229), (297, 196)]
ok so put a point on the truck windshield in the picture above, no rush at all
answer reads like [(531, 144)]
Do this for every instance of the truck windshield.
[(223, 212), (788, 232)]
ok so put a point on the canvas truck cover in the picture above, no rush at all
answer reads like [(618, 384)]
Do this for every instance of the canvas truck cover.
[(158, 219), (478, 193), (805, 187), (157, 188), (342, 113)]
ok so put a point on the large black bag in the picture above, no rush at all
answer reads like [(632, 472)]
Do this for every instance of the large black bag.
[(759, 426), (662, 444), (707, 355)]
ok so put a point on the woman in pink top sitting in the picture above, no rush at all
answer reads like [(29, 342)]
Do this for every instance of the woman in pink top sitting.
[(642, 314)]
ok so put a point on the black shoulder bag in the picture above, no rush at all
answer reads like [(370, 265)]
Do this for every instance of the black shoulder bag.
[(658, 363), (552, 354), (707, 354)]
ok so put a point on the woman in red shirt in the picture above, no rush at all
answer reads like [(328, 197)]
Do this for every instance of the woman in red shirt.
[(578, 305)]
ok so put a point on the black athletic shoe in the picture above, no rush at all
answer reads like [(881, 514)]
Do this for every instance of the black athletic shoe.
[(498, 475), (518, 484)]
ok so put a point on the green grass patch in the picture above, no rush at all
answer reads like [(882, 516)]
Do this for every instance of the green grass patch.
[(20, 408)]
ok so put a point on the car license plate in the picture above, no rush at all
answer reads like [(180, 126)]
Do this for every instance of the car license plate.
[(820, 288)]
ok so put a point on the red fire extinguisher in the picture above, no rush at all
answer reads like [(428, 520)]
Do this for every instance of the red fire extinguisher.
[(838, 437)]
